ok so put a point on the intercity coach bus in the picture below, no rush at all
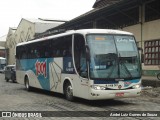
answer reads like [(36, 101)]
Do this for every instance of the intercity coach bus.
[(2, 64), (93, 64)]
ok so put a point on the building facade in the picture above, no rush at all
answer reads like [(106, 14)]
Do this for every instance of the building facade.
[(26, 30), (2, 46)]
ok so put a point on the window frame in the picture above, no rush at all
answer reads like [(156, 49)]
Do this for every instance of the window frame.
[(152, 52)]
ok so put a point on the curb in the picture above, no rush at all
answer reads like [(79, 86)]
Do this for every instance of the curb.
[(152, 83)]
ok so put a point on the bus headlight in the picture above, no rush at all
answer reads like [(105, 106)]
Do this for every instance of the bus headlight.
[(97, 87), (136, 86)]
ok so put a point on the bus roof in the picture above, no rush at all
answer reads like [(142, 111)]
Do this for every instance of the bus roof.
[(81, 31)]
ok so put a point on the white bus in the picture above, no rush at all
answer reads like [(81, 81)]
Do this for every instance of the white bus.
[(93, 64), (2, 64)]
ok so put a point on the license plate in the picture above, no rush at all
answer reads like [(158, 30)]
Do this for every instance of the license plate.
[(119, 94)]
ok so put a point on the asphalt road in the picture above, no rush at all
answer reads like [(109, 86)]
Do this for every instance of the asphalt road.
[(14, 97)]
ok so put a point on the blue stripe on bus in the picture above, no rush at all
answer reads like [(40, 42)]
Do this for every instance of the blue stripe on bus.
[(38, 66), (114, 82)]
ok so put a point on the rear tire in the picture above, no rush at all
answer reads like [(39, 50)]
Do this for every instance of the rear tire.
[(68, 91), (158, 76), (28, 88)]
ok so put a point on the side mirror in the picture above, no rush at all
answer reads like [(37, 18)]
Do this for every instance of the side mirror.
[(84, 74), (140, 49), (87, 53), (142, 55)]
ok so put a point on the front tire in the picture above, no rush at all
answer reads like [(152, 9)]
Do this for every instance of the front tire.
[(68, 91), (158, 76)]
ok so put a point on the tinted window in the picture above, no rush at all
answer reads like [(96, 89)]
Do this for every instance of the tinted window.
[(57, 47), (79, 55)]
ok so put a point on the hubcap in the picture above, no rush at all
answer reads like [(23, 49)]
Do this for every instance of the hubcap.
[(69, 91)]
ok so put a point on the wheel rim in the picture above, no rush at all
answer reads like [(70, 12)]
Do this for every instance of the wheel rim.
[(69, 91), (158, 76)]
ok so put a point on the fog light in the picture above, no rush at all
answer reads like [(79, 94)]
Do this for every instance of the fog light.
[(103, 88), (96, 87), (136, 86)]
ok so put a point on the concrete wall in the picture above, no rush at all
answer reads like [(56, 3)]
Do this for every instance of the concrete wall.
[(25, 31), (9, 44), (151, 30)]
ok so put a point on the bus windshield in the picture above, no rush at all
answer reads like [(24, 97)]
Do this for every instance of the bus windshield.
[(113, 56)]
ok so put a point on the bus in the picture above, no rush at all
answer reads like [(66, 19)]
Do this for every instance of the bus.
[(2, 64), (93, 64)]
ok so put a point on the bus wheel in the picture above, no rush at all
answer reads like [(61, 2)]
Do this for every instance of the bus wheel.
[(158, 76), (27, 84), (68, 90)]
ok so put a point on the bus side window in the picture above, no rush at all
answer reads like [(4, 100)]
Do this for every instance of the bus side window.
[(24, 55), (80, 55)]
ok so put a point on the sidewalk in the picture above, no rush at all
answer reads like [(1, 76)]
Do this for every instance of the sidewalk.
[(150, 81)]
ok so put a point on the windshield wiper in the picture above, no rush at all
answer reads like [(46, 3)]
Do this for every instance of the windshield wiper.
[(110, 73), (122, 63), (114, 56)]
